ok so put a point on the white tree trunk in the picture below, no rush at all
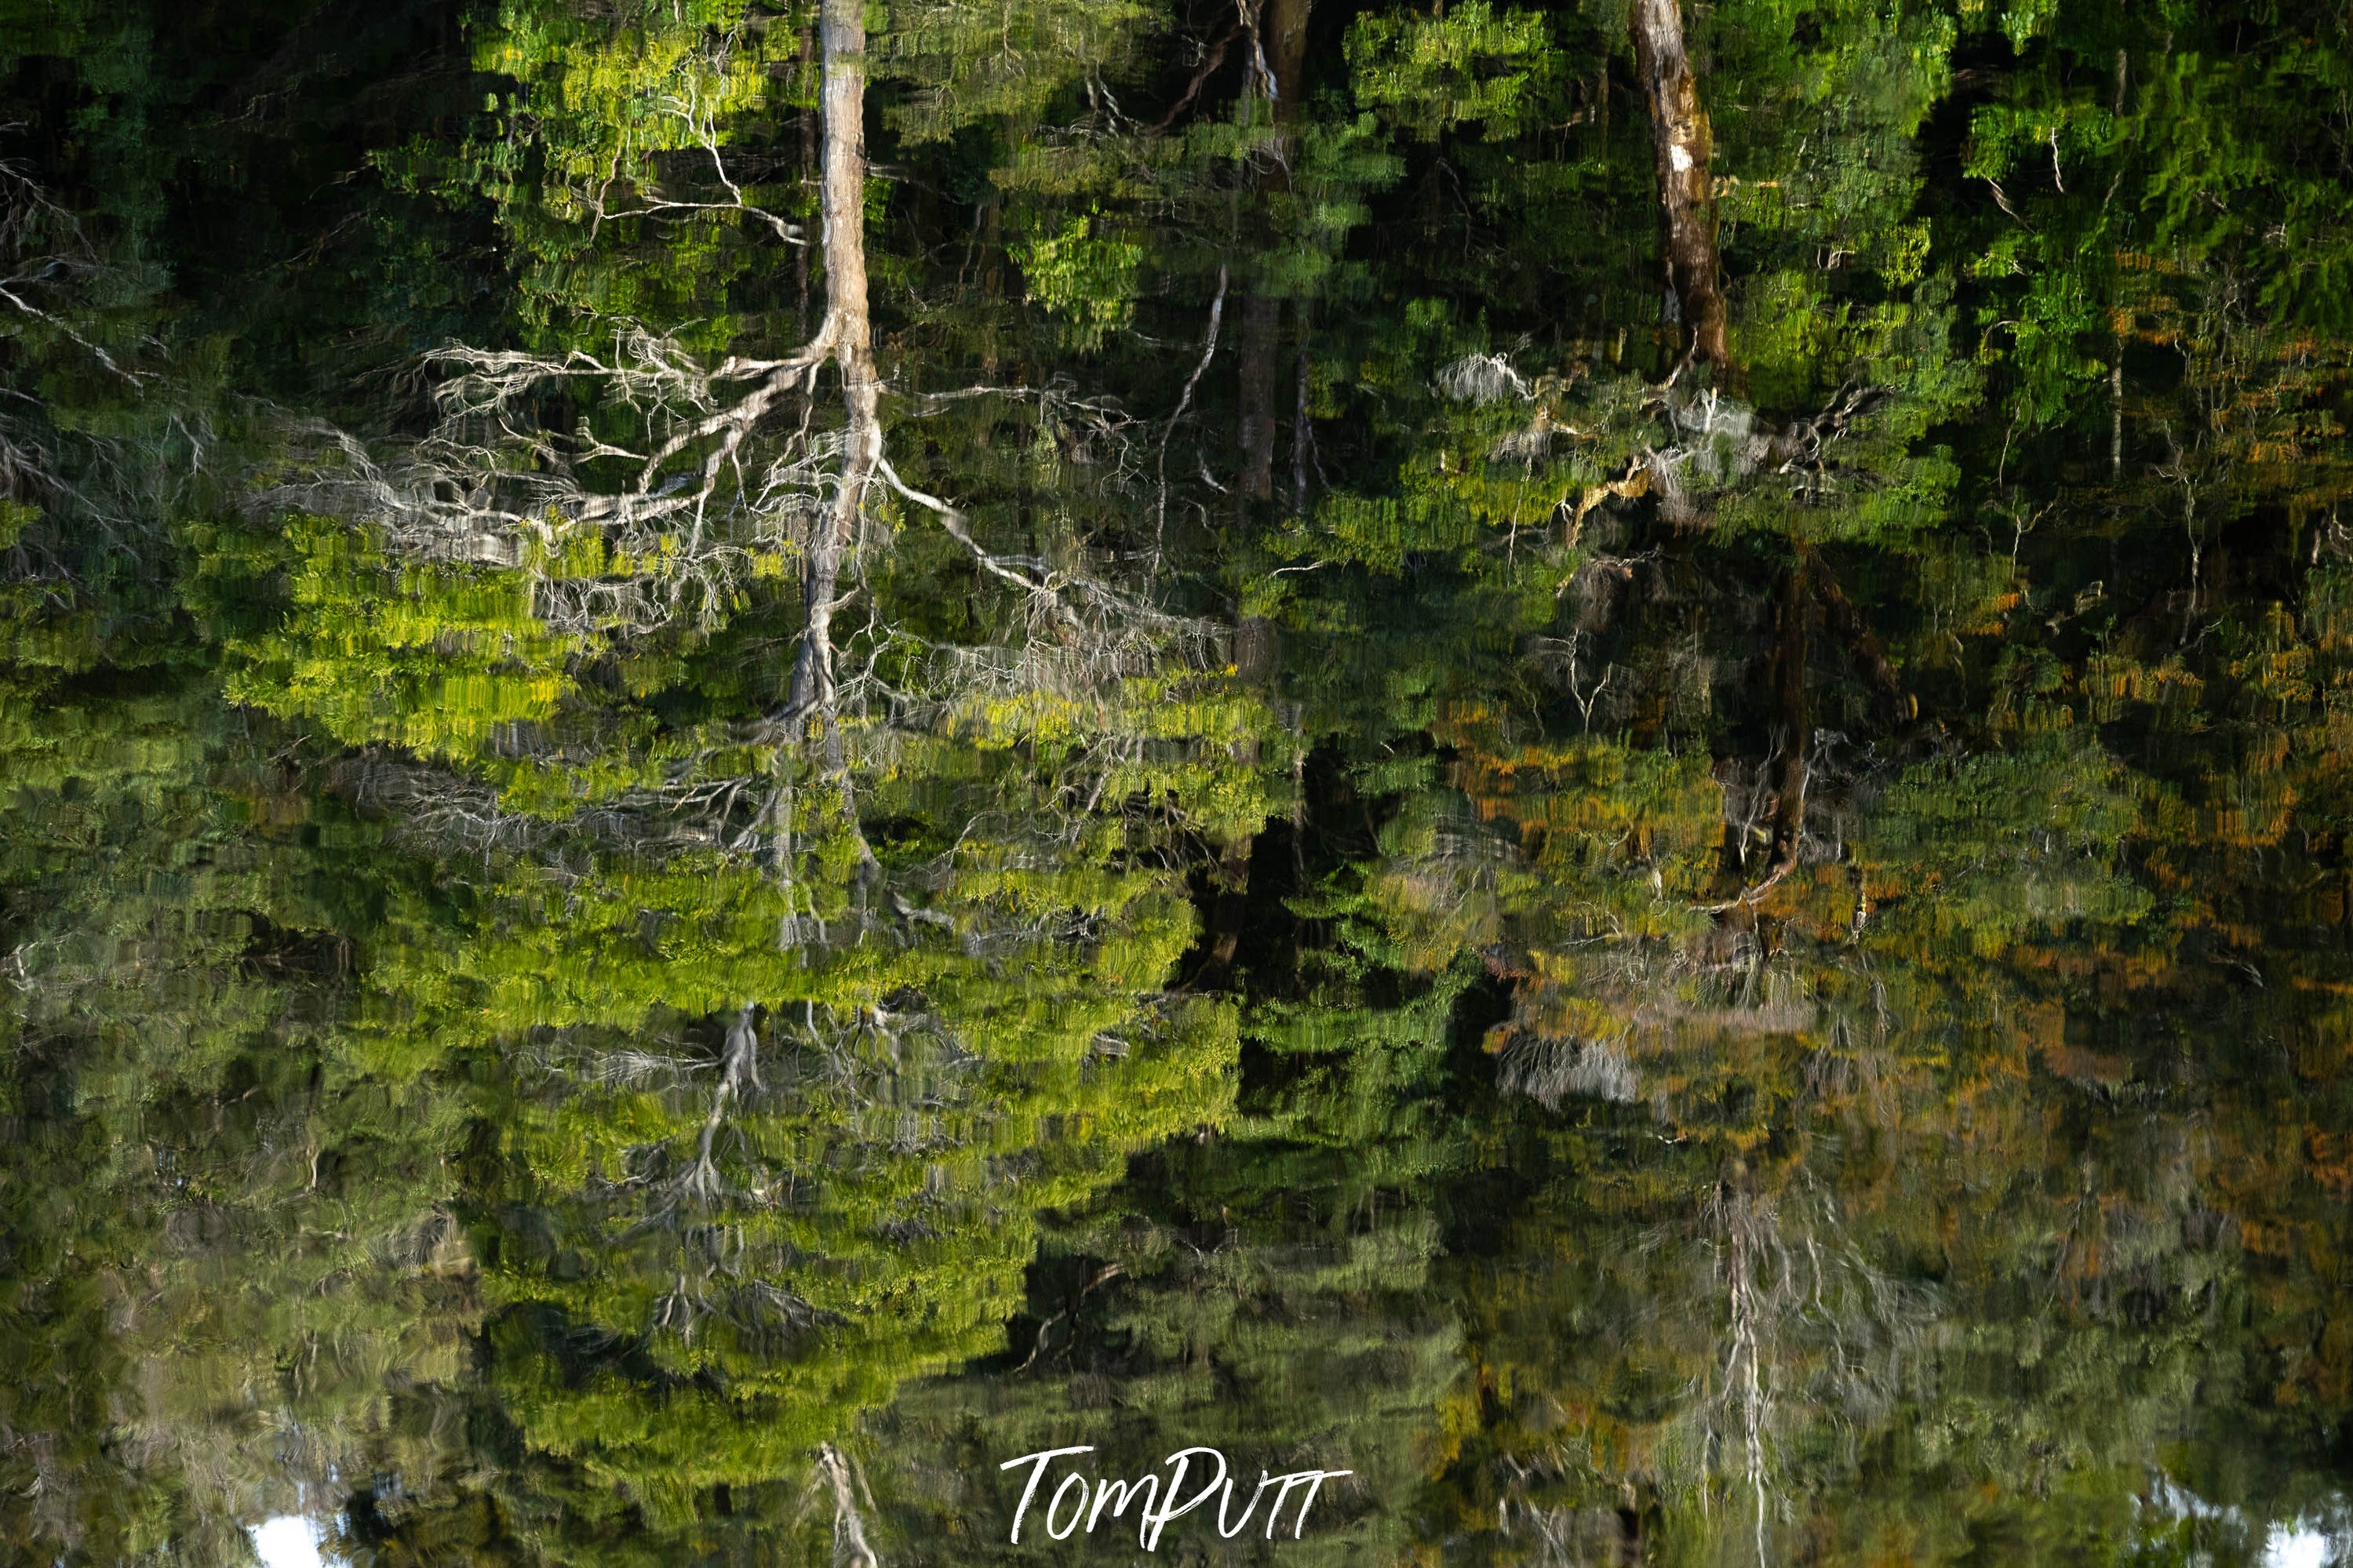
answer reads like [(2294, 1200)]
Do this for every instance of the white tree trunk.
[(848, 334)]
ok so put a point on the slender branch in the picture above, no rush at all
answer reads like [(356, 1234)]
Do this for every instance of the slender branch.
[(1184, 401)]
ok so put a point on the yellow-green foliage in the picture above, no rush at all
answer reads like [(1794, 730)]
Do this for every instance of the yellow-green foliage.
[(1086, 274), (438, 658), (1993, 847), (1466, 65)]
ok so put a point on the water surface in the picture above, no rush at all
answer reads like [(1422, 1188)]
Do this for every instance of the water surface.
[(1593, 759)]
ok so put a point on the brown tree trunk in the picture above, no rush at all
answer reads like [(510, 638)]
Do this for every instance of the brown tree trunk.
[(1282, 39), (1261, 323), (1862, 645), (1792, 732), (1257, 650), (1680, 138), (1302, 424), (1630, 1527)]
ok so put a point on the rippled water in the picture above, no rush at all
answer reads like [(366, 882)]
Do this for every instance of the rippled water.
[(1107, 780)]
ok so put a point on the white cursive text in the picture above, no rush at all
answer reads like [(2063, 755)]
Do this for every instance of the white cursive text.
[(1078, 1501)]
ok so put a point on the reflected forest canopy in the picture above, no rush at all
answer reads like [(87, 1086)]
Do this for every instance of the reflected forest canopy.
[(1588, 762)]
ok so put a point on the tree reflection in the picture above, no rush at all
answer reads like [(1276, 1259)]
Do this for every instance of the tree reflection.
[(758, 752)]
